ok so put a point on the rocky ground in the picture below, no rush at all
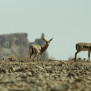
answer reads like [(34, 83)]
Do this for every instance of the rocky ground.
[(26, 75)]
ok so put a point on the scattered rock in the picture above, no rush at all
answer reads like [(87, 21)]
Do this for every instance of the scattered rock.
[(44, 76), (2, 70), (70, 74), (3, 89)]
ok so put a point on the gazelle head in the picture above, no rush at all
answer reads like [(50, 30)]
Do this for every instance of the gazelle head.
[(47, 42)]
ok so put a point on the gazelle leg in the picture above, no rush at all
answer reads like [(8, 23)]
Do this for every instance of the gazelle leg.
[(30, 52), (37, 56), (41, 56), (76, 55), (30, 56), (34, 57), (88, 55)]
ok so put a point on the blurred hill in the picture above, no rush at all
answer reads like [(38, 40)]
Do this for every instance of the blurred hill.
[(13, 45), (17, 44)]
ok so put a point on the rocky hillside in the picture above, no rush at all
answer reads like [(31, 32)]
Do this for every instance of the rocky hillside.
[(13, 45)]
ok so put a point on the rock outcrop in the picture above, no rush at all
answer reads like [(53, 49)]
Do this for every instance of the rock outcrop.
[(14, 45)]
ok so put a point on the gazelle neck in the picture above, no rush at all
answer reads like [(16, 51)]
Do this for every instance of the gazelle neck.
[(44, 48)]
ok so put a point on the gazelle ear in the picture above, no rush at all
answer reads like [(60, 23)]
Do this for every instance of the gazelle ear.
[(51, 39), (44, 39)]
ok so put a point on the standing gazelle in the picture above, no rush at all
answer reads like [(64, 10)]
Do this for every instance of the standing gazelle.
[(37, 50), (83, 47)]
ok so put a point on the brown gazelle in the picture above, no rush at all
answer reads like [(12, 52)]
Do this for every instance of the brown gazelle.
[(83, 47), (37, 50)]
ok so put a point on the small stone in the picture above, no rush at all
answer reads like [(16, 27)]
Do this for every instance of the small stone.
[(29, 73), (3, 89)]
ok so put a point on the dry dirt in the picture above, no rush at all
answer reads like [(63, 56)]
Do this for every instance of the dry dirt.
[(26, 75)]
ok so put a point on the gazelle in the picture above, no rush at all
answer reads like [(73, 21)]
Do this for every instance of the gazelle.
[(37, 50), (83, 47)]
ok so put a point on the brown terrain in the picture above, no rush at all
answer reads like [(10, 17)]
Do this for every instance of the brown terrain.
[(51, 75), (19, 73)]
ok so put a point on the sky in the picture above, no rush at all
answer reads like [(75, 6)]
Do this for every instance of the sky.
[(66, 21)]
